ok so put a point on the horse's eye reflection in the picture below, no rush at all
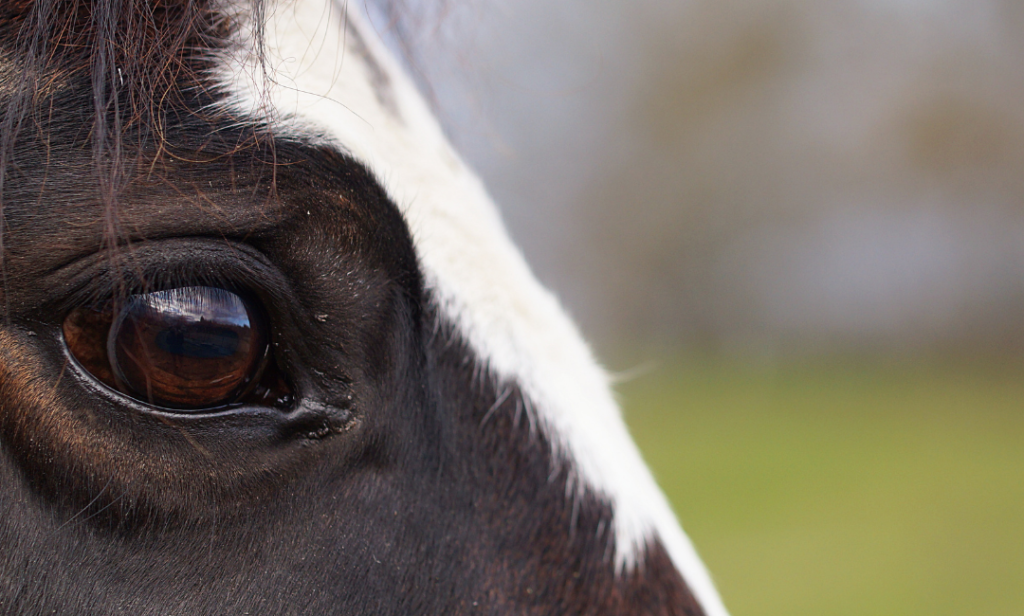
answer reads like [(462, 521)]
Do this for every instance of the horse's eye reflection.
[(191, 348)]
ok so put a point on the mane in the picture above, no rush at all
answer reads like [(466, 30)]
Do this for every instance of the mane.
[(136, 57), (126, 65), (130, 64)]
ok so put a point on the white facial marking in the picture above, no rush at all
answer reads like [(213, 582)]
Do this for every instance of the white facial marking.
[(319, 86)]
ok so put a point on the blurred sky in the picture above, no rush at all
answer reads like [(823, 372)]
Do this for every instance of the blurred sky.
[(752, 176)]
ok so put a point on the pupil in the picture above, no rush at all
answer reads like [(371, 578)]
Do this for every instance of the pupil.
[(192, 347), (202, 342)]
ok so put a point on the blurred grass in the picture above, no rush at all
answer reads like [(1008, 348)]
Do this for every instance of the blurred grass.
[(844, 487)]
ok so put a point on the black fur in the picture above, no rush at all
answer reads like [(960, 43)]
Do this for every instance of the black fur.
[(404, 480)]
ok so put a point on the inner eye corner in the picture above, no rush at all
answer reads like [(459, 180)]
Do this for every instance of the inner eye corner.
[(184, 349)]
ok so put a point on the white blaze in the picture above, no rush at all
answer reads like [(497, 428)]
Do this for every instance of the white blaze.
[(319, 87)]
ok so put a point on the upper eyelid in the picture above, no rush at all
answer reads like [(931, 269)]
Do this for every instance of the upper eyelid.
[(224, 263)]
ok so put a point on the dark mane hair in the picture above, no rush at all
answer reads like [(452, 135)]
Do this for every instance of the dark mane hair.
[(132, 69), (137, 57), (127, 65)]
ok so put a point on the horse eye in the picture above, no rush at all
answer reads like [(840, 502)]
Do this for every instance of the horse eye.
[(186, 348)]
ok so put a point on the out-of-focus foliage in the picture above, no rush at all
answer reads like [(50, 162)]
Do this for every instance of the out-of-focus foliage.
[(820, 173), (844, 490), (759, 176)]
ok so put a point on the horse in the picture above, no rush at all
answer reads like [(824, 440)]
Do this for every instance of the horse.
[(268, 349)]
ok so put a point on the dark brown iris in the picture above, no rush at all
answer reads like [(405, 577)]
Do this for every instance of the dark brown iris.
[(185, 348)]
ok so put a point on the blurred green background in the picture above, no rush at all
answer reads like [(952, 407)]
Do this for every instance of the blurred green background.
[(810, 215), (844, 487)]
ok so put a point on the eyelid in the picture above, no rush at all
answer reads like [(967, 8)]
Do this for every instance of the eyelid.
[(157, 265)]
